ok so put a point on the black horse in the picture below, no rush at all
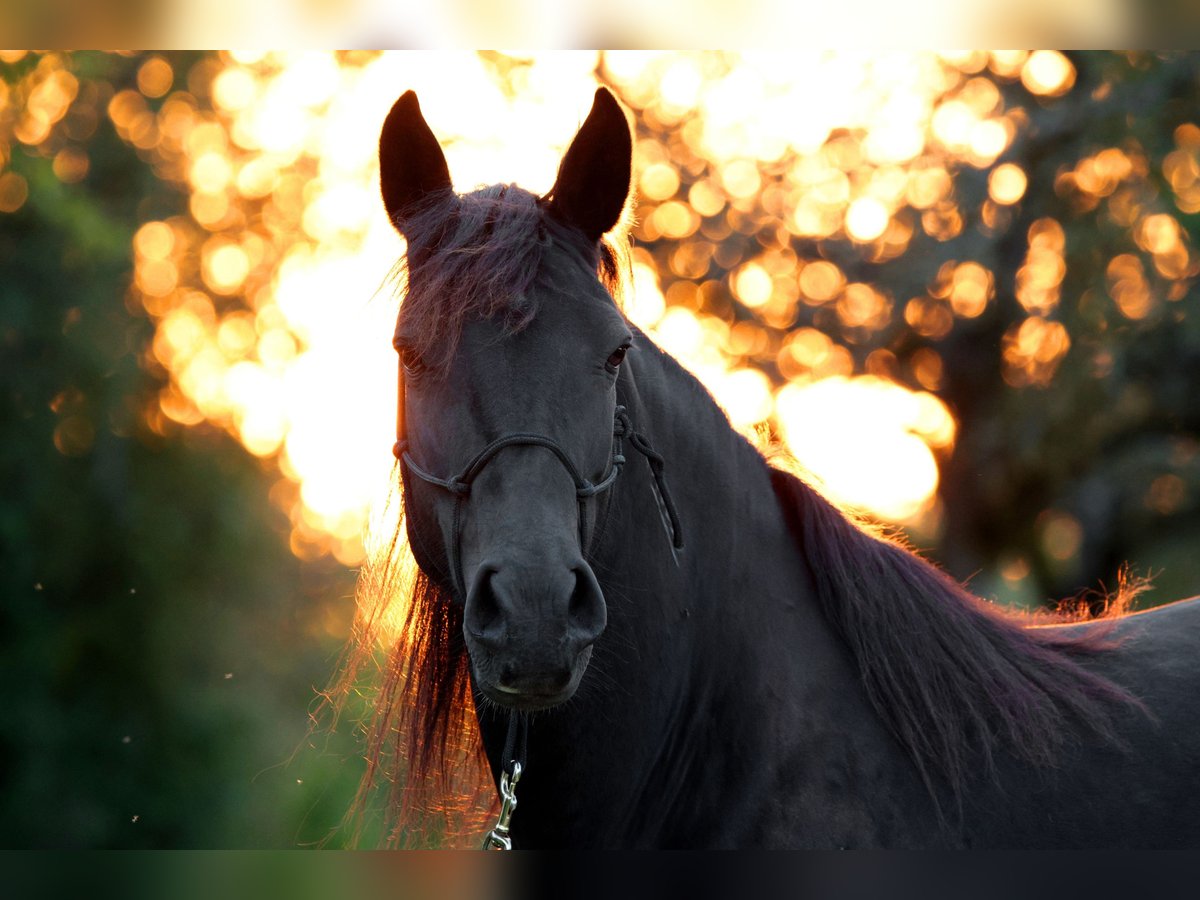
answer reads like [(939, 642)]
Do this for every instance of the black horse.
[(707, 652)]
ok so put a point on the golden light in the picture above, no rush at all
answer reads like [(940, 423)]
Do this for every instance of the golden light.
[(675, 220), (753, 285), (236, 335), (234, 88), (821, 281), (705, 199), (928, 317), (1033, 350), (988, 140), (224, 265), (659, 181), (1007, 183), (156, 278), (155, 76), (746, 395), (741, 179), (1159, 233), (1048, 73), (211, 172), (866, 219), (868, 441), (927, 368), (1039, 278), (953, 123), (809, 355), (971, 287), (1181, 168), (13, 192), (861, 306), (928, 186), (154, 240), (51, 92), (1128, 287), (70, 165), (647, 304)]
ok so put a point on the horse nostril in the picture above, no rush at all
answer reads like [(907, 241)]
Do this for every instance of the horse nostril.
[(484, 615), (586, 613), (507, 604)]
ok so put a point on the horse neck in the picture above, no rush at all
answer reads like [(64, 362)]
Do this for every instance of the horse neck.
[(709, 668)]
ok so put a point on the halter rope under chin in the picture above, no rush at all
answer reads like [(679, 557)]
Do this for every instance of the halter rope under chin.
[(459, 486)]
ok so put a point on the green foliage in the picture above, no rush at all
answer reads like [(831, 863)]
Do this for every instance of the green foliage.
[(159, 643)]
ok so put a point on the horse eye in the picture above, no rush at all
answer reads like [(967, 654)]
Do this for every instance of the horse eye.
[(411, 362), (617, 357)]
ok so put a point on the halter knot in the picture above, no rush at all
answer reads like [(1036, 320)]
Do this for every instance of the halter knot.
[(622, 426)]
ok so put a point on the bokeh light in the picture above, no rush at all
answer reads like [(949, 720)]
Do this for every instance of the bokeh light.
[(284, 219), (766, 208)]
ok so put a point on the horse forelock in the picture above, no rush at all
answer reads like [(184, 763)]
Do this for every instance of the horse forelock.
[(484, 255)]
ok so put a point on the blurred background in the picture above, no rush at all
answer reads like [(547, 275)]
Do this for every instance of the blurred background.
[(958, 288)]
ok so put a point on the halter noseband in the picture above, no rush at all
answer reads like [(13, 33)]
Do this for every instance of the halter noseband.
[(459, 486)]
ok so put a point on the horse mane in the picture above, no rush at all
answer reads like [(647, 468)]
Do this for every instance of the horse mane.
[(480, 256), (956, 679)]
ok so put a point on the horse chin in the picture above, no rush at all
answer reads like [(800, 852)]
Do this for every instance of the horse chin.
[(528, 694), (526, 702)]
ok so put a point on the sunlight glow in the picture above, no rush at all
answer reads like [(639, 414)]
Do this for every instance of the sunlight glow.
[(274, 315), (879, 457)]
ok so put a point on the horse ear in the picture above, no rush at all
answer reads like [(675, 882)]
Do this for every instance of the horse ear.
[(593, 179), (411, 163)]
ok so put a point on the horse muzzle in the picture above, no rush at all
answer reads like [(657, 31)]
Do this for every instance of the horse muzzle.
[(530, 631)]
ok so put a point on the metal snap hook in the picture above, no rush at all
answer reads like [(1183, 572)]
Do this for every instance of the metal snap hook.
[(498, 838)]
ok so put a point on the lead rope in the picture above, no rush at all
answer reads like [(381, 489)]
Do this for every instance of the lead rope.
[(498, 838)]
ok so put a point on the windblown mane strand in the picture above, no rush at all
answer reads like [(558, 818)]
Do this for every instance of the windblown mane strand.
[(954, 678), (424, 759)]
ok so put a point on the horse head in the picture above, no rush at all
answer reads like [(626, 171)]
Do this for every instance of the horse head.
[(509, 426)]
